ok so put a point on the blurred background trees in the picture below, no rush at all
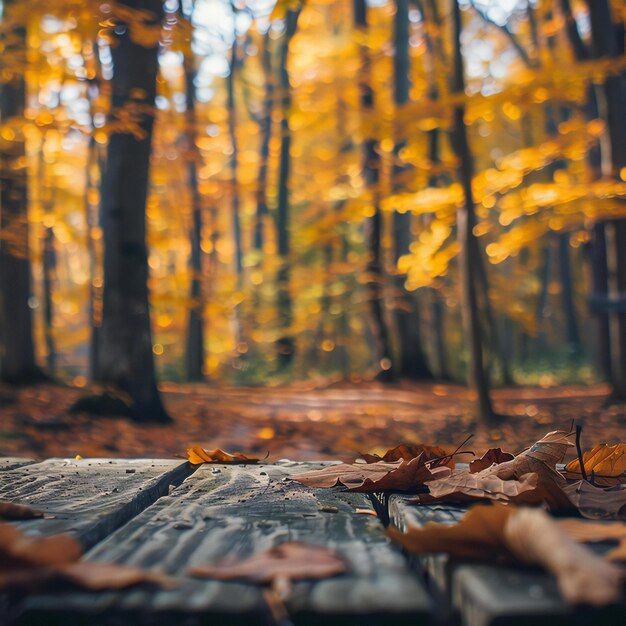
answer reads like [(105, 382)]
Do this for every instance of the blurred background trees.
[(327, 190)]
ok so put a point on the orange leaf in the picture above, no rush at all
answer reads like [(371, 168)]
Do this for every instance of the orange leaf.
[(606, 463), (198, 455)]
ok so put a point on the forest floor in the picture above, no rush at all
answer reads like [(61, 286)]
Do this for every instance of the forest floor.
[(303, 423)]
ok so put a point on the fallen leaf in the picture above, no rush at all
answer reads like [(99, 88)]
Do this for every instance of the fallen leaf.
[(398, 476), (529, 478), (587, 532), (595, 502), (96, 576), (491, 457), (478, 535), (197, 455), (366, 512), (511, 534), (408, 452), (291, 561), (12, 511), (41, 562), (607, 465)]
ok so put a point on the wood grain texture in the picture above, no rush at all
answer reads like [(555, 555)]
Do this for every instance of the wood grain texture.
[(225, 511), (486, 595), (89, 498)]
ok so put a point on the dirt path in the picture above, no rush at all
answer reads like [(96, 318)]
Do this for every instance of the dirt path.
[(301, 422)]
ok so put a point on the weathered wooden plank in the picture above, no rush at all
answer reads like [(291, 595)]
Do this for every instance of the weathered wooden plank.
[(237, 511), (486, 595), (89, 498), (12, 462)]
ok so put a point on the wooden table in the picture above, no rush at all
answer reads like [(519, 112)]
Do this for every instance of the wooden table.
[(171, 515)]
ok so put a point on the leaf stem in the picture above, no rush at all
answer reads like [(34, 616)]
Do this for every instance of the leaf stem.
[(579, 451)]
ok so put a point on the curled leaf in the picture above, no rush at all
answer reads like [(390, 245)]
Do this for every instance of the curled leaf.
[(510, 534), (197, 455), (408, 452), (491, 457), (607, 465), (529, 478), (398, 476)]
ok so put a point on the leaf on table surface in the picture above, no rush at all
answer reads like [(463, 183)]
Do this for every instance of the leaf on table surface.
[(595, 502), (291, 561), (398, 476), (529, 478), (43, 562), (477, 536), (491, 457), (197, 455), (607, 465), (587, 532), (408, 452), (12, 511), (509, 534)]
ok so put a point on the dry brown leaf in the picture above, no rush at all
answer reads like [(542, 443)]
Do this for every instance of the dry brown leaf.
[(587, 532), (100, 576), (491, 457), (477, 536), (198, 455), (529, 478), (582, 576), (606, 463), (42, 562), (501, 533), (408, 452), (595, 502), (12, 511), (399, 476), (290, 561)]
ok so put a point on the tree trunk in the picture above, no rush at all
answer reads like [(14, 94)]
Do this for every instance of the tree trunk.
[(466, 220), (374, 224), (125, 357), (264, 150), (49, 268), (412, 362), (285, 345), (194, 352), (17, 354), (607, 39)]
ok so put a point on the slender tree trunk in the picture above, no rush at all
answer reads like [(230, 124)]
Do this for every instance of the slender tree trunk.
[(125, 358), (466, 220), (607, 38), (264, 150), (194, 352), (234, 158), (285, 345), (17, 354), (49, 268), (374, 224), (412, 363), (567, 293)]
